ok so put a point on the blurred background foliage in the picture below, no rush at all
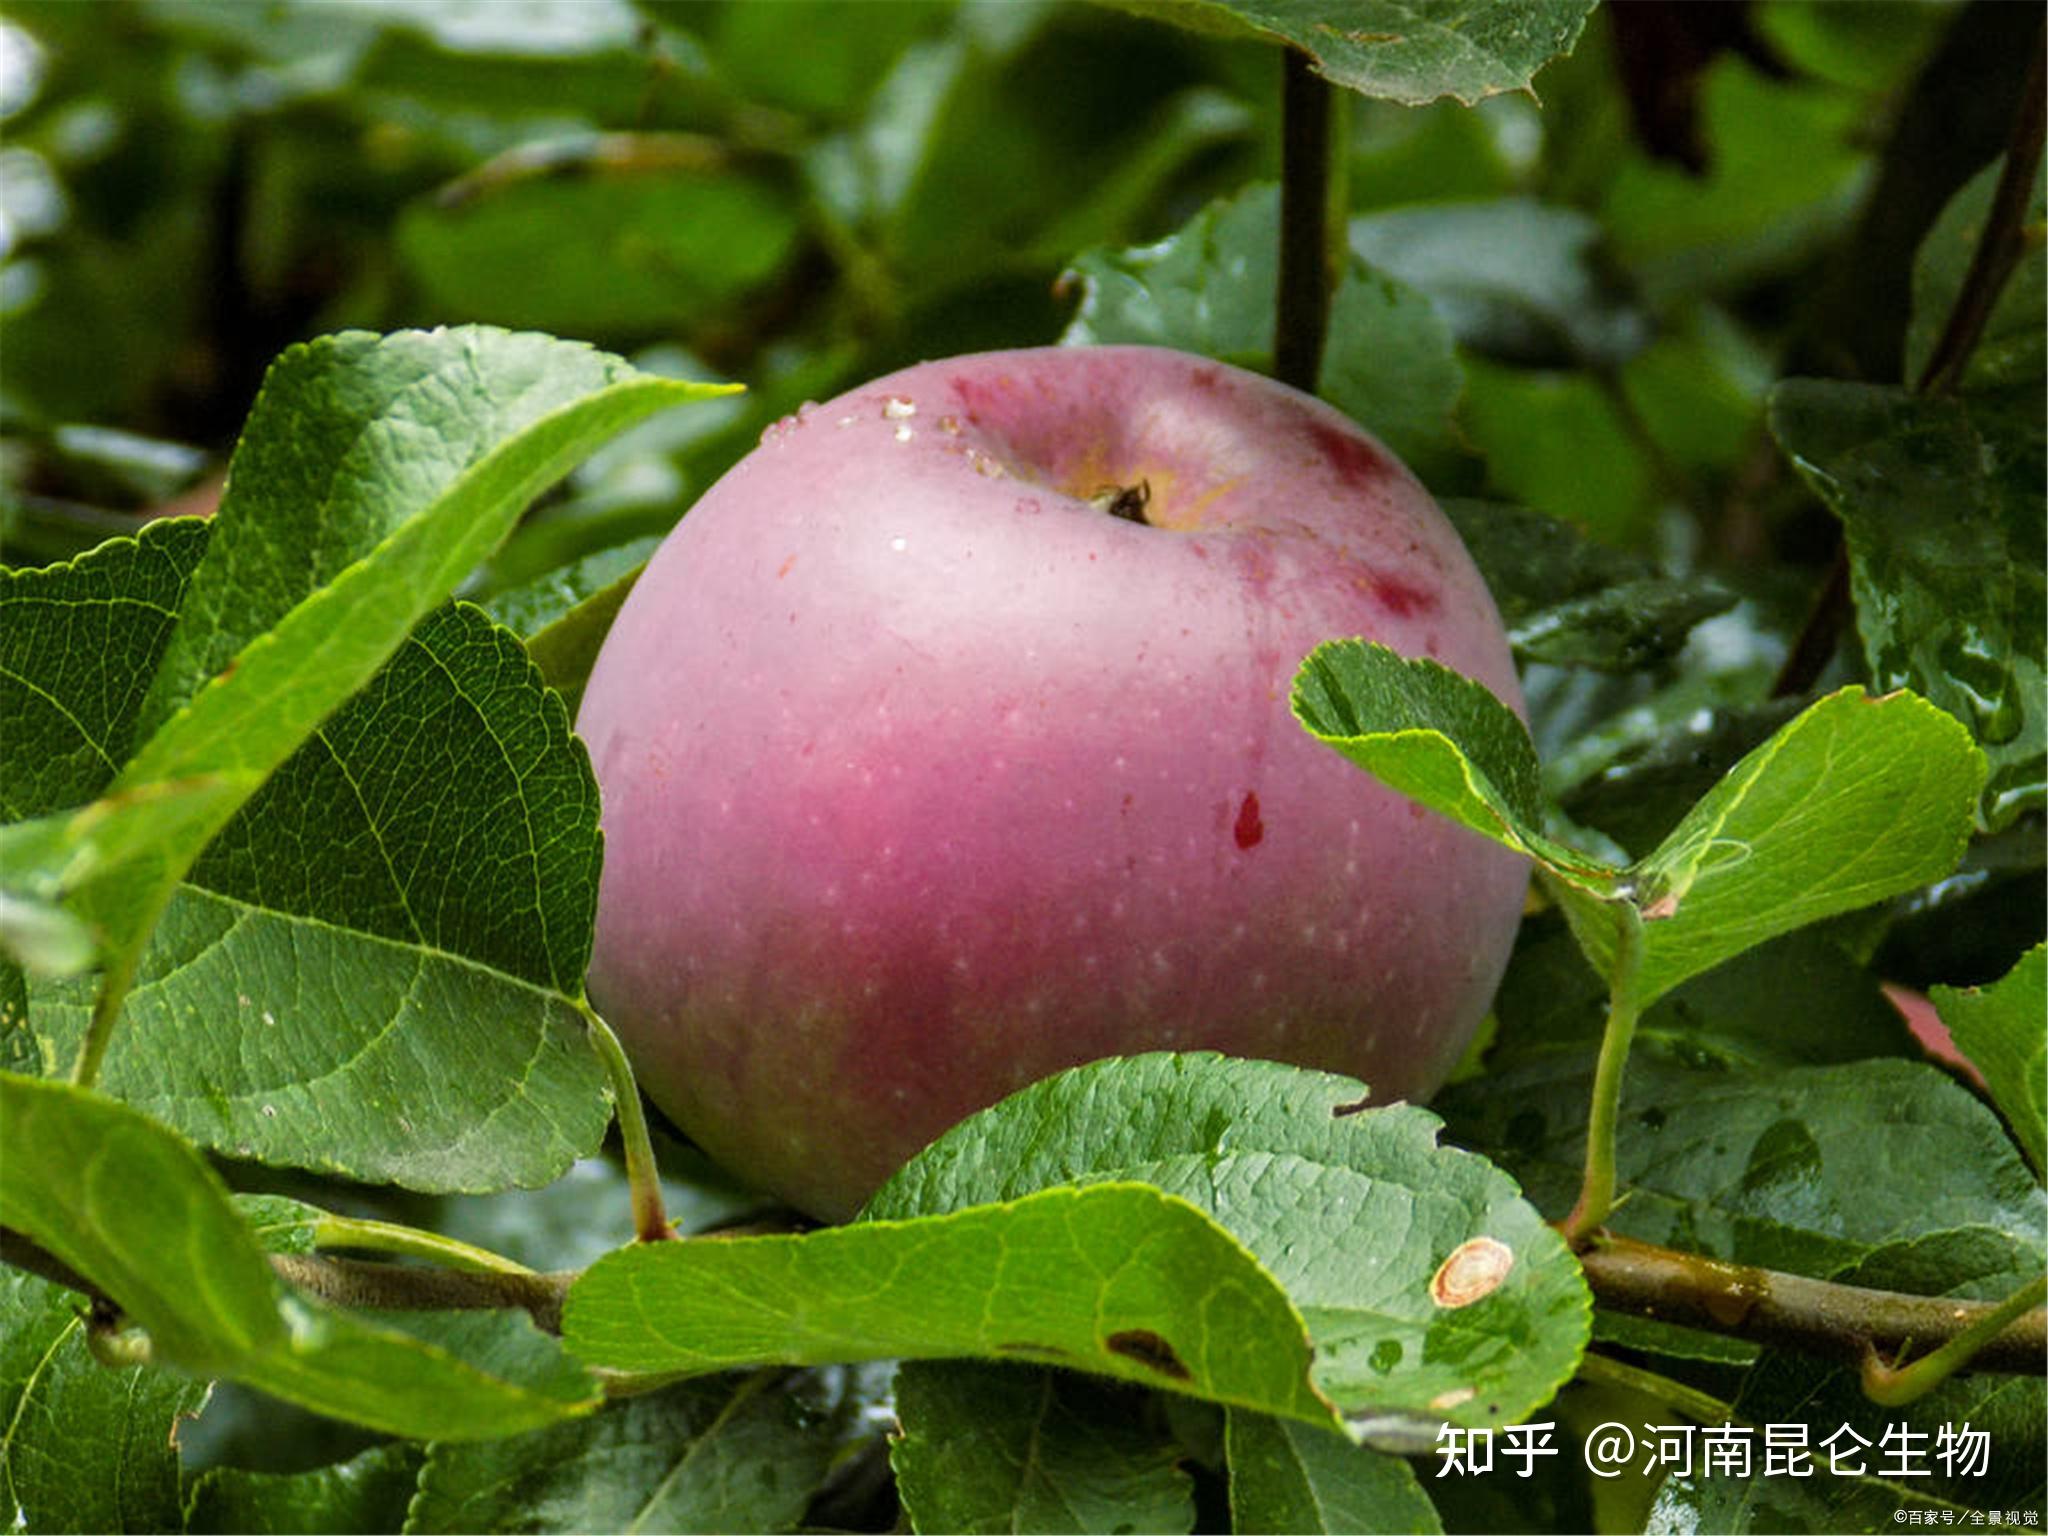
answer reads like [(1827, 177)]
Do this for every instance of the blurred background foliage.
[(802, 193)]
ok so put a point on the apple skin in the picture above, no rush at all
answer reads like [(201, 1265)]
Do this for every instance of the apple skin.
[(924, 777)]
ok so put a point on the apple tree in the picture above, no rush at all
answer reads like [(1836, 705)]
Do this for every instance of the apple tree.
[(355, 358)]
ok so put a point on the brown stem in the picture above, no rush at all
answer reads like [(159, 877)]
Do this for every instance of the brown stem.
[(1999, 248), (1301, 310), (23, 1253), (1815, 1317), (1825, 622)]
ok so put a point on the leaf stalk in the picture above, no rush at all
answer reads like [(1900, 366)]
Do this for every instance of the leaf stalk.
[(643, 1179), (371, 1236), (1999, 248), (1596, 1188)]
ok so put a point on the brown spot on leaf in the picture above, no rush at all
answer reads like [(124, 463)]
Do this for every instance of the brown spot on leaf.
[(1474, 1270), (1149, 1350)]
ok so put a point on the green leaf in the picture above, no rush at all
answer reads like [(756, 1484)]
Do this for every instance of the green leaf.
[(2010, 350), (1698, 392), (849, 49), (42, 860), (1773, 1166), (369, 1492), (139, 1212), (1515, 279), (1436, 737), (1208, 288), (1799, 1000), (1856, 800), (727, 1453), (1055, 141), (1288, 1477), (1875, 49), (506, 73), (1587, 723), (79, 644), (1560, 442), (599, 233), (1410, 51), (1571, 602), (1940, 501), (373, 969), (85, 1447), (2001, 1029), (999, 1448), (1119, 1279), (1356, 1215), (564, 615), (1785, 173), (373, 473), (1823, 1505), (1665, 759)]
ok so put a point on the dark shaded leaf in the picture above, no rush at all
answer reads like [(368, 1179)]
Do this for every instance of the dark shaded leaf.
[(1940, 501), (1023, 1448)]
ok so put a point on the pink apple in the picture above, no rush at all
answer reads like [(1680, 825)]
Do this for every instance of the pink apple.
[(946, 744)]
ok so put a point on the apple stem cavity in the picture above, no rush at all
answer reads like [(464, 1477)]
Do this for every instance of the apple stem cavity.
[(1125, 501)]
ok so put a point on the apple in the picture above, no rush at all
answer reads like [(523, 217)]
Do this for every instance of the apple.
[(946, 744)]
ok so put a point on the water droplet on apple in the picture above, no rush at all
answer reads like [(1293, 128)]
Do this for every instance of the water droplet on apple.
[(897, 408), (904, 434), (899, 544), (847, 421), (950, 425)]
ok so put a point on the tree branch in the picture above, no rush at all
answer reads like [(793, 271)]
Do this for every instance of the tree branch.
[(1301, 308), (1999, 248), (23, 1252), (1814, 1317)]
